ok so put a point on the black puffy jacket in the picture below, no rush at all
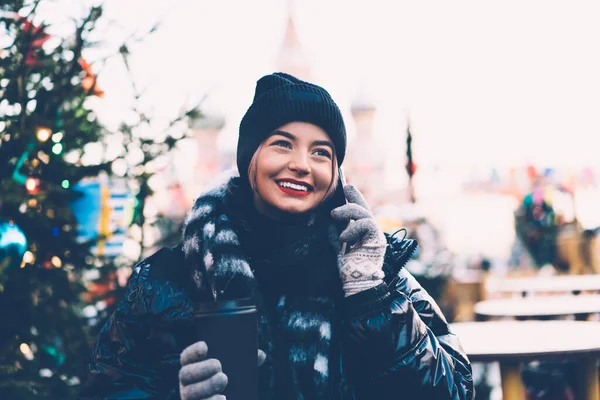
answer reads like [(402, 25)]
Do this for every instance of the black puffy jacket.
[(407, 349)]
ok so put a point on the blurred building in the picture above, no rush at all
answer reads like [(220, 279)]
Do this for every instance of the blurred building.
[(366, 158), (210, 160), (291, 58)]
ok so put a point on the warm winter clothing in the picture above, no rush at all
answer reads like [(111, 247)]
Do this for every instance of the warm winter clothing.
[(387, 342), (361, 262)]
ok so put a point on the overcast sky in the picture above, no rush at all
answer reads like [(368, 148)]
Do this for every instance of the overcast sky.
[(492, 83), (485, 83)]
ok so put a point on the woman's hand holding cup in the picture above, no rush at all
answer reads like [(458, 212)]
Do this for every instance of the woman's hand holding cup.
[(199, 377), (202, 378)]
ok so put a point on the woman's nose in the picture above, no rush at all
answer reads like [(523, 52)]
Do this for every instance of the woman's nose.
[(299, 163)]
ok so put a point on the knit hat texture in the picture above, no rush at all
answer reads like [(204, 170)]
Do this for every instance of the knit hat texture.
[(279, 99)]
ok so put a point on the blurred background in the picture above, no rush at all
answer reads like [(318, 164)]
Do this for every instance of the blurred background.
[(472, 125)]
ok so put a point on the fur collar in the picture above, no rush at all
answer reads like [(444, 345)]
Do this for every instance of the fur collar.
[(212, 247)]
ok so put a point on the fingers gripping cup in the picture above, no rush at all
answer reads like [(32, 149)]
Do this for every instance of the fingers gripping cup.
[(230, 330)]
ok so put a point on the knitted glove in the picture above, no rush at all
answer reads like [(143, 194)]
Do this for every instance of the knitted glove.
[(361, 267), (202, 378)]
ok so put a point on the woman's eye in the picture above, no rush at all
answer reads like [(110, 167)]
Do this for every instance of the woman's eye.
[(323, 152), (282, 143)]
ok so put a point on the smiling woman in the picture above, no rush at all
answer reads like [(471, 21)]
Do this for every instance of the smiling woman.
[(294, 170), (331, 324)]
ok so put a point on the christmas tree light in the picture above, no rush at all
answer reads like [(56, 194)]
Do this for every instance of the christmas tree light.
[(57, 148), (31, 184), (43, 134), (57, 137), (57, 262), (28, 257), (26, 350)]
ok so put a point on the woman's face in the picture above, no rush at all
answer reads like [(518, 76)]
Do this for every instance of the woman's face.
[(294, 170)]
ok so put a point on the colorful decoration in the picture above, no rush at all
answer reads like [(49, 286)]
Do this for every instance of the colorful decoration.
[(43, 133), (17, 175), (13, 245), (531, 172), (43, 88), (36, 34), (57, 137), (103, 212), (536, 228), (57, 148), (89, 81), (39, 37), (32, 185), (55, 355)]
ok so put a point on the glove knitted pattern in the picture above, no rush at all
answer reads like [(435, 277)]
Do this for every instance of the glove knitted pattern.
[(361, 268)]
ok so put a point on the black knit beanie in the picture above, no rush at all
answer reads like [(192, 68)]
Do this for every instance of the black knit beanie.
[(280, 99)]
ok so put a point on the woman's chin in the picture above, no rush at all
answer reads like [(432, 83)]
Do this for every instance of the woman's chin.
[(293, 206), (293, 209)]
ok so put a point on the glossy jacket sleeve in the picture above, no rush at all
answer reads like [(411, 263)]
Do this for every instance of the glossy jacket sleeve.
[(400, 345), (124, 364)]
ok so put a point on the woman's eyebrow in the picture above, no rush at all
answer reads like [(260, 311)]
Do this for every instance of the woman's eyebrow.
[(323, 143), (284, 133), (292, 137)]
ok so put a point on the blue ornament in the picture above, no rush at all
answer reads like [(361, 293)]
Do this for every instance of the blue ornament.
[(55, 354), (13, 245)]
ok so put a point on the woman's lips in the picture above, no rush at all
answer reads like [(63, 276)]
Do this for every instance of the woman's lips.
[(292, 192)]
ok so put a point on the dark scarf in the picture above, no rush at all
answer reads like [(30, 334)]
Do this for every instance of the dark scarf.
[(289, 269)]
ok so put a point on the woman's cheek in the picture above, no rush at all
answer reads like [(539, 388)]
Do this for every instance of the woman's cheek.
[(324, 176)]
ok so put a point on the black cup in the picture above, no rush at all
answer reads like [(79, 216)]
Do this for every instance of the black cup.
[(230, 330)]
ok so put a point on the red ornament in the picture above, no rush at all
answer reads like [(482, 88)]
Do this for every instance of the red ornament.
[(39, 37), (89, 80), (411, 168), (36, 33)]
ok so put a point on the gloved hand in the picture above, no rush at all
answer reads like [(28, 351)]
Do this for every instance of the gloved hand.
[(361, 267), (200, 378)]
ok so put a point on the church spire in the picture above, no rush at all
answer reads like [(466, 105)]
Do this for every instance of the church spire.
[(291, 58)]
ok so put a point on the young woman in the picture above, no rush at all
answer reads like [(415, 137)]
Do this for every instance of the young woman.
[(332, 325)]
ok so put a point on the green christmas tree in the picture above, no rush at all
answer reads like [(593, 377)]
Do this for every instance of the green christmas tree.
[(45, 122), (42, 117)]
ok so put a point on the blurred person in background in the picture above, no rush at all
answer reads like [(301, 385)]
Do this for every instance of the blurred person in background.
[(333, 324)]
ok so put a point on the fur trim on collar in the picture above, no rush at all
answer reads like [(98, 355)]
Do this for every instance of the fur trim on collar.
[(212, 248)]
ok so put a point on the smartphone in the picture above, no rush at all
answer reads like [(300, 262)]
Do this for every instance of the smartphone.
[(339, 199)]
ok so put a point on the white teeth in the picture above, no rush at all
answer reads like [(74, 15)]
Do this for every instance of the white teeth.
[(293, 186)]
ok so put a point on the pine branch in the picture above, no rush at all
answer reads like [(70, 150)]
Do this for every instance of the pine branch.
[(8, 370)]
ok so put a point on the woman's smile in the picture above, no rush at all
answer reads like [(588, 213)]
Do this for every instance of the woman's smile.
[(294, 188)]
